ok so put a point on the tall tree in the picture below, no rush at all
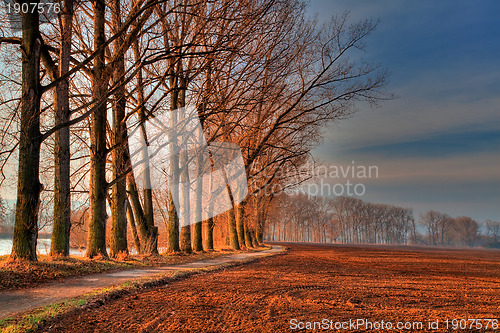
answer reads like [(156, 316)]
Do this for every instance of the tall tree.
[(118, 239), (144, 215), (96, 244), (28, 184), (62, 196)]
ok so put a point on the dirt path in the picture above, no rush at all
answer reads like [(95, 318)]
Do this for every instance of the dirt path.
[(312, 283), (14, 302)]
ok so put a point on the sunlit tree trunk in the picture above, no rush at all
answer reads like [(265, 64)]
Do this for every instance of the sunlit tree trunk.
[(262, 205), (196, 229), (240, 221), (133, 227), (247, 230), (28, 184), (118, 240), (259, 225), (96, 242), (152, 246), (62, 197), (148, 237), (173, 217), (148, 232), (172, 226), (149, 215), (209, 234), (231, 229), (185, 236)]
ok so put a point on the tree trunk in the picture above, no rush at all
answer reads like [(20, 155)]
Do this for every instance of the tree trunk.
[(247, 230), (240, 221), (173, 226), (232, 231), (173, 217), (118, 240), (62, 196), (209, 234), (148, 235), (148, 214), (197, 237), (28, 185), (260, 220), (185, 236), (131, 220), (148, 231), (96, 242), (231, 228), (185, 239), (208, 224), (197, 228), (231, 221)]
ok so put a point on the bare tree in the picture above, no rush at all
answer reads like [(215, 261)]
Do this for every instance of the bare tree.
[(343, 219), (466, 230), (493, 229), (29, 186), (62, 199), (432, 220), (96, 244), (118, 242)]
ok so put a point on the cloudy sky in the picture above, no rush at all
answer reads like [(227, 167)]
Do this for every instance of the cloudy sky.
[(437, 145)]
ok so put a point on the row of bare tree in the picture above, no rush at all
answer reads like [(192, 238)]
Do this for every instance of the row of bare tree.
[(442, 229), (260, 73), (305, 218), (340, 220)]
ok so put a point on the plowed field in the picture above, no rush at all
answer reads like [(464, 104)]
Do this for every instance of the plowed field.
[(342, 288)]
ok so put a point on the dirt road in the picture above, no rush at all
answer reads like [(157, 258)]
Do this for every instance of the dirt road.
[(18, 301), (333, 285)]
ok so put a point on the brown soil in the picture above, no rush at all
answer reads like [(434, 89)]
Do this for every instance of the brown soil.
[(312, 283)]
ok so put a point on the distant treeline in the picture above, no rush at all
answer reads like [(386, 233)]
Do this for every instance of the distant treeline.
[(302, 218)]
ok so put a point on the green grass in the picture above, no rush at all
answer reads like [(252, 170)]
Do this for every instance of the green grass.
[(5, 321), (31, 321)]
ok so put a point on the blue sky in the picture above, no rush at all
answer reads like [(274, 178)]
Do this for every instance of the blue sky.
[(437, 145)]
